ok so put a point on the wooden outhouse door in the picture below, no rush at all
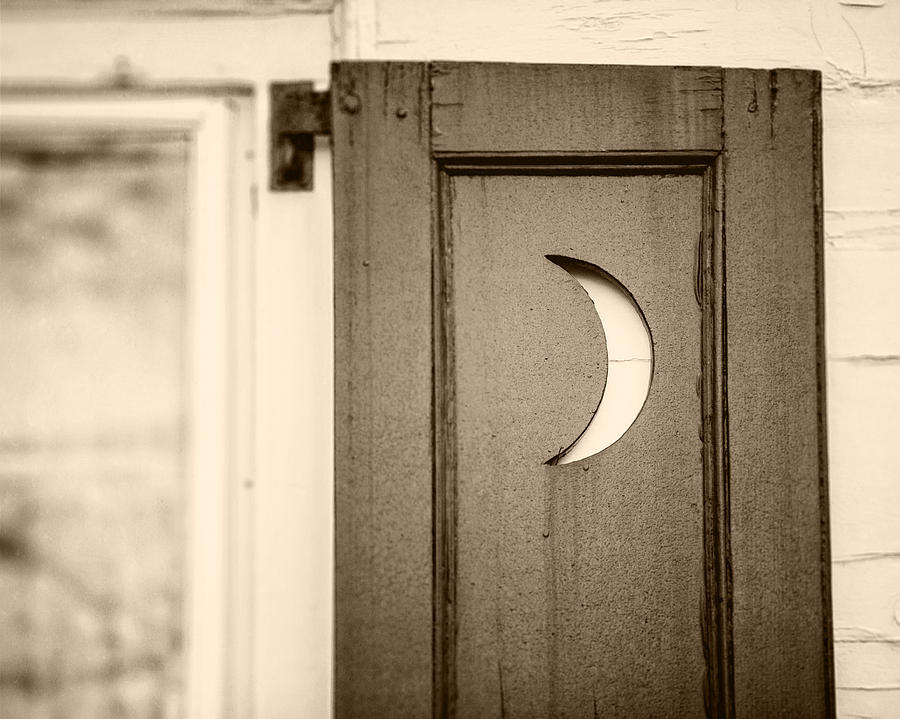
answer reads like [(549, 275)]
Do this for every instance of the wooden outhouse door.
[(683, 570)]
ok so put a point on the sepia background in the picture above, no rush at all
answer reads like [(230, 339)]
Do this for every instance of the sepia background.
[(165, 393)]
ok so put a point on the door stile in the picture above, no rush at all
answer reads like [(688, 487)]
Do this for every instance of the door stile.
[(383, 390)]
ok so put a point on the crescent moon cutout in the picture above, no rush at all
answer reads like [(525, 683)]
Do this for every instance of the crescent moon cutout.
[(630, 355)]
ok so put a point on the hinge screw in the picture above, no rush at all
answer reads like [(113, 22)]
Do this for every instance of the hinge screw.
[(350, 103)]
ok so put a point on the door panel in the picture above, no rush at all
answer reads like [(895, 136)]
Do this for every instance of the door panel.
[(475, 577), (556, 562)]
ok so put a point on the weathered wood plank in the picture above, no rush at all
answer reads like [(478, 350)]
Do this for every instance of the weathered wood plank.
[(773, 236), (516, 617), (494, 107), (383, 342)]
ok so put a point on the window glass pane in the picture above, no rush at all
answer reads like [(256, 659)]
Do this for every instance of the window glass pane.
[(92, 423)]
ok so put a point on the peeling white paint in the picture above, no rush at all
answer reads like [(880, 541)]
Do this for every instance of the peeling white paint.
[(863, 3)]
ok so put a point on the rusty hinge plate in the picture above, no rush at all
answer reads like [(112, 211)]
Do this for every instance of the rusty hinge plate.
[(298, 114)]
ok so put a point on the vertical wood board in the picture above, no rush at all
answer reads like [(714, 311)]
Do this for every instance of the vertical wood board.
[(780, 555), (383, 344)]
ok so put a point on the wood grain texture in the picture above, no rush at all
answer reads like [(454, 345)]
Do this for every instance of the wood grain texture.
[(578, 586), (495, 107), (781, 611), (603, 587), (383, 345)]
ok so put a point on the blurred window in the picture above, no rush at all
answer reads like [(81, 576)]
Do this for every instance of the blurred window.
[(92, 410)]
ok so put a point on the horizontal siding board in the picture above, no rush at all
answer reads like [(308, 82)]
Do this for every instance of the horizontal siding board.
[(863, 397), (868, 703), (861, 147), (854, 46), (877, 229), (867, 604), (863, 304), (867, 665)]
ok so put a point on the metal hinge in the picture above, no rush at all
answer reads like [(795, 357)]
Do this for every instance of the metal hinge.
[(298, 114)]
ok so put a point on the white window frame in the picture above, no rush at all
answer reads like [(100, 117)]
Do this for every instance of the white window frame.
[(218, 343)]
